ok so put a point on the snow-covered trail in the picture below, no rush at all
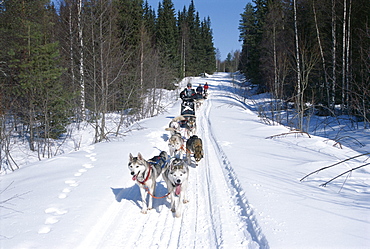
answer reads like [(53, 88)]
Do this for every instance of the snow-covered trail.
[(245, 193), (217, 215)]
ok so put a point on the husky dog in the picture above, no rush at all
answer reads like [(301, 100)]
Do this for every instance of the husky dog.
[(161, 160), (174, 125), (175, 144), (145, 176), (198, 103), (176, 177), (194, 145), (191, 126)]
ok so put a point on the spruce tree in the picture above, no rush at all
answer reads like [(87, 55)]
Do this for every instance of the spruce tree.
[(34, 67), (130, 21), (167, 35), (251, 33), (209, 59)]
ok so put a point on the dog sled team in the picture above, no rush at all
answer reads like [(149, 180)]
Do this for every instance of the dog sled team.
[(173, 166)]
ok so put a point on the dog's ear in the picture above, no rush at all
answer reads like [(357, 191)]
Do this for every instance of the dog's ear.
[(139, 156), (131, 157), (172, 164)]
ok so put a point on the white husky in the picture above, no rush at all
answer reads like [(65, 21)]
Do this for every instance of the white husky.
[(176, 177), (175, 145)]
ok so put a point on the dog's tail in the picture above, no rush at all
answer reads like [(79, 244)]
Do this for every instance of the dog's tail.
[(178, 118), (170, 129)]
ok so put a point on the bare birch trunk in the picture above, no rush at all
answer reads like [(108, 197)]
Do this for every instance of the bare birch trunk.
[(94, 78), (348, 50), (299, 90), (322, 54), (82, 78), (333, 34), (183, 57), (142, 59), (344, 104), (71, 44), (104, 90), (275, 64)]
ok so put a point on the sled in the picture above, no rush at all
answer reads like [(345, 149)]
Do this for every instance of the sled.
[(188, 107)]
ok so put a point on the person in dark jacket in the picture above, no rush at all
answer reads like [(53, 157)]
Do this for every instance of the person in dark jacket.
[(199, 89), (187, 96), (188, 93)]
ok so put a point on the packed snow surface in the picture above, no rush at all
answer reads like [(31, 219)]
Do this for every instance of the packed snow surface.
[(245, 193)]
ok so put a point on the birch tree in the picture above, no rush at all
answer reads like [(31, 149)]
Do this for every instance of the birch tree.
[(81, 65), (299, 95), (344, 55), (334, 55)]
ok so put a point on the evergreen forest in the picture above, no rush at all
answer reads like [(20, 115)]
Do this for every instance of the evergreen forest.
[(313, 55), (82, 59)]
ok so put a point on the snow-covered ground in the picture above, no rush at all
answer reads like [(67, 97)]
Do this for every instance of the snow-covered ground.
[(245, 193)]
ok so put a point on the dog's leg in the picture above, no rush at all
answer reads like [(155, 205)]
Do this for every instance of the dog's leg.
[(144, 209), (173, 202), (150, 205), (179, 205), (154, 188), (185, 192), (178, 153), (188, 156)]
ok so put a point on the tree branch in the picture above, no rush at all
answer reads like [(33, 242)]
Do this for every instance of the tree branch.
[(332, 165), (288, 133), (350, 170)]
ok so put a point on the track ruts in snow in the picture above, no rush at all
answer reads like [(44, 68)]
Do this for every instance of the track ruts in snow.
[(248, 223), (216, 216)]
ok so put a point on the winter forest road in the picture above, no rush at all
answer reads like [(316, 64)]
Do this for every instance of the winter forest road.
[(217, 216), (245, 193)]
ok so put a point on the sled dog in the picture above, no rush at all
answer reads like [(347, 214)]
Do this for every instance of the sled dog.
[(145, 175), (198, 103), (194, 146), (161, 161), (174, 125), (191, 126), (175, 144), (176, 177)]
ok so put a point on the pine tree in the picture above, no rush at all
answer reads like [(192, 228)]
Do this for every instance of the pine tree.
[(167, 35), (34, 68), (251, 33), (194, 49), (209, 58), (130, 21), (149, 21), (248, 37)]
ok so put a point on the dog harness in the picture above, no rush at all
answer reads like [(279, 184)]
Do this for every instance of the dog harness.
[(147, 176), (158, 159)]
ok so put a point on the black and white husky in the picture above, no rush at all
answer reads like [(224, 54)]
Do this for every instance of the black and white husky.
[(175, 144), (145, 174), (176, 177), (191, 126)]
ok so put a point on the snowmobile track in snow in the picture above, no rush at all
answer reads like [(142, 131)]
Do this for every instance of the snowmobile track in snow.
[(217, 210)]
